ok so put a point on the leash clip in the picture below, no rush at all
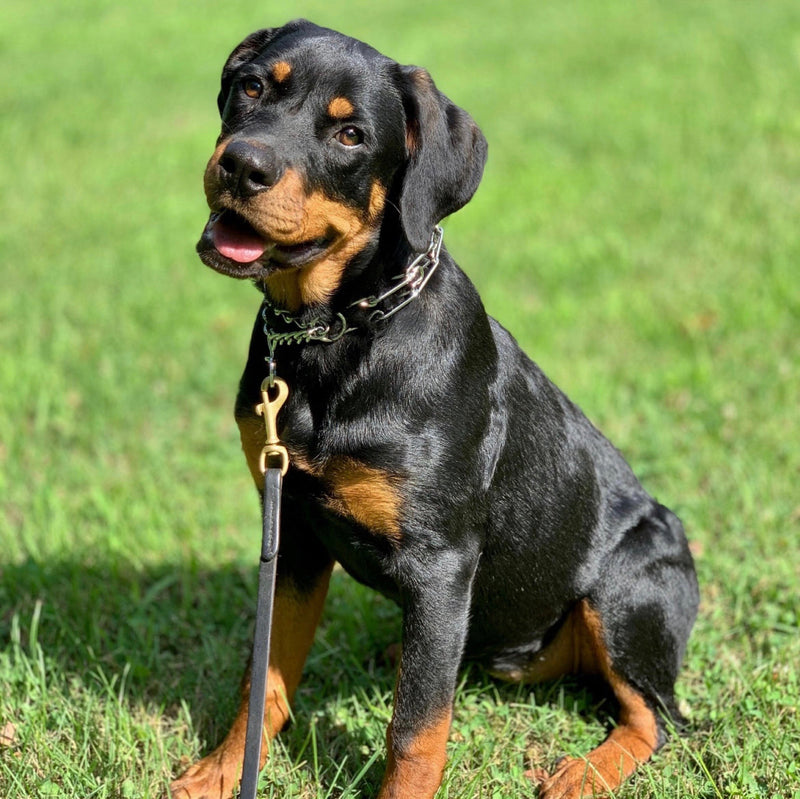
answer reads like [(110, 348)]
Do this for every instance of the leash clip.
[(268, 408)]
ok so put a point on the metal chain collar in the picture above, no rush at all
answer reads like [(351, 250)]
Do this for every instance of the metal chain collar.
[(409, 285)]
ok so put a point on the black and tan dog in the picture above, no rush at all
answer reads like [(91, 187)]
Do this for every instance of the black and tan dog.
[(429, 455)]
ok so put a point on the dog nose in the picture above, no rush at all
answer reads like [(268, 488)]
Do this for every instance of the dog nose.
[(248, 168)]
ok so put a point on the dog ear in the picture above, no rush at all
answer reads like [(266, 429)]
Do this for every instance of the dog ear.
[(446, 156), (243, 53)]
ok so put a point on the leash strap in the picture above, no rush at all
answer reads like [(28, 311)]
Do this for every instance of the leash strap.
[(267, 569), (274, 463)]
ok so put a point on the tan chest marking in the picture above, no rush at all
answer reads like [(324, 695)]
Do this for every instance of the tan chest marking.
[(364, 494)]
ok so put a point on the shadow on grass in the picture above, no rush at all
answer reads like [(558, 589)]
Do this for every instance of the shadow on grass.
[(182, 634), (178, 634)]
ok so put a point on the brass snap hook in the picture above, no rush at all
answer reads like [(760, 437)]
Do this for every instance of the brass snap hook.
[(268, 408)]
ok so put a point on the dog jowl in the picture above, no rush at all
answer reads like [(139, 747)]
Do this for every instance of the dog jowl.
[(429, 456)]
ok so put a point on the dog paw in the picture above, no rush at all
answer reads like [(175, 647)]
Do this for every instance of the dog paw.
[(210, 778), (574, 778)]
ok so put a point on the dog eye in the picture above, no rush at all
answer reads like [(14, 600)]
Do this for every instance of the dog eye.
[(253, 88), (350, 136)]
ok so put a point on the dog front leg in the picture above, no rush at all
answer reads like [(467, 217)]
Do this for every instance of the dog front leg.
[(296, 614), (435, 618)]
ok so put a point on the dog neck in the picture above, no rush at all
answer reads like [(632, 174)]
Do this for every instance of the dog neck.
[(328, 324)]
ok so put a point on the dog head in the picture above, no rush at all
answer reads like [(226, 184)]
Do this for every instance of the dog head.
[(321, 135)]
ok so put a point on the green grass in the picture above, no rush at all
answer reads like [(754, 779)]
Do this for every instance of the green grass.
[(636, 230)]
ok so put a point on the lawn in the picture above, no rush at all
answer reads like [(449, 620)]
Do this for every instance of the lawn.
[(637, 231)]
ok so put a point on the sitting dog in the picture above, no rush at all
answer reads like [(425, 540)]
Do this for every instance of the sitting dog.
[(429, 456)]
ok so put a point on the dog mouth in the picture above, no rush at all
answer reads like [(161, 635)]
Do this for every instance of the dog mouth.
[(231, 245)]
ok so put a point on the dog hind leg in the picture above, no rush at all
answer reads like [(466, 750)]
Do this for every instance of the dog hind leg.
[(633, 632)]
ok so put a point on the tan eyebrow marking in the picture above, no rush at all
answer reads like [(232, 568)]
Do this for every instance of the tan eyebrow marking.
[(281, 71), (340, 108)]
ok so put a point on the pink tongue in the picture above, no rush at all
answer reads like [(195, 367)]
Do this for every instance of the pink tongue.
[(237, 244)]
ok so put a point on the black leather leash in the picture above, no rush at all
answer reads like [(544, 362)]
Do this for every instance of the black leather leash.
[(270, 540)]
